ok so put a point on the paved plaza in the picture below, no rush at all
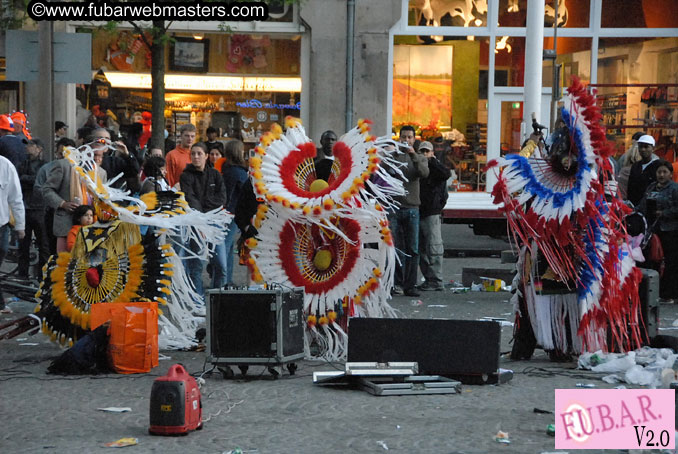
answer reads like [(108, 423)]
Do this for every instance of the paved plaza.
[(52, 414)]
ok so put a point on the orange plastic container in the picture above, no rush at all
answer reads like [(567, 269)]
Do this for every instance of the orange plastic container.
[(133, 342)]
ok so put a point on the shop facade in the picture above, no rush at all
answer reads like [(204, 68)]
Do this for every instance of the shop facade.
[(457, 67)]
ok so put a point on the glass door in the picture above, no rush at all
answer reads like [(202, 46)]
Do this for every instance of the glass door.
[(506, 129)]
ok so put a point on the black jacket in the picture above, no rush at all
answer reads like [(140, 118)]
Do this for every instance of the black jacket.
[(127, 165), (12, 148), (28, 170), (204, 190), (433, 189), (640, 179)]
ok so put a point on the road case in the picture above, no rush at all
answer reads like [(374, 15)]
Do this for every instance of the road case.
[(255, 327)]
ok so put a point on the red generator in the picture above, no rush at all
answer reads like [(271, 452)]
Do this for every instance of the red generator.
[(176, 408)]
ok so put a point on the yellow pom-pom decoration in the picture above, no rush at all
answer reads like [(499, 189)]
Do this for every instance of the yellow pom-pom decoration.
[(311, 320), (332, 315), (318, 185), (322, 259), (251, 243), (323, 320), (276, 129), (328, 204)]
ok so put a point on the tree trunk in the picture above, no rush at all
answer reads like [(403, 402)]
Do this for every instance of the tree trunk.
[(158, 85)]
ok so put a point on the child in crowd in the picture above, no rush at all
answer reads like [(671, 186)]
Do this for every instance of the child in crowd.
[(83, 215)]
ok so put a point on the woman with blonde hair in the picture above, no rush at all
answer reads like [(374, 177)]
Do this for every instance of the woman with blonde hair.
[(234, 171)]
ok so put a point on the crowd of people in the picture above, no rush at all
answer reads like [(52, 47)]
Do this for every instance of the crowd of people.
[(214, 174), (46, 204)]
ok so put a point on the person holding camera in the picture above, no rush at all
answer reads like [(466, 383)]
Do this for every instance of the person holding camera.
[(404, 221), (118, 161), (433, 189)]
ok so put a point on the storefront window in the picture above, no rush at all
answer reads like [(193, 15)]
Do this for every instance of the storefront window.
[(449, 13), (570, 13), (441, 90), (238, 83), (511, 117), (639, 14), (632, 97), (9, 96), (573, 59), (509, 61)]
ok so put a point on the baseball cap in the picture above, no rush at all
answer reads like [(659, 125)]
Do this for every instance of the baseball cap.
[(647, 139), (6, 123), (425, 146), (19, 117)]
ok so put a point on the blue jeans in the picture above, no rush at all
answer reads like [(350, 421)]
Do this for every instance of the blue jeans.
[(219, 262), (404, 224), (228, 244)]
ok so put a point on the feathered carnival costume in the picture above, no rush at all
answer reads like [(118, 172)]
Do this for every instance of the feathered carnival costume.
[(329, 237), (576, 279), (113, 262)]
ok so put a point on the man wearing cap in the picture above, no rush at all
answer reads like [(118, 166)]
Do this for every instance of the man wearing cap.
[(35, 208), (11, 147), (433, 194), (643, 173), (60, 130), (20, 129), (10, 200)]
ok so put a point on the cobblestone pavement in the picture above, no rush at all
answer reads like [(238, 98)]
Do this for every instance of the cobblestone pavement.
[(48, 414)]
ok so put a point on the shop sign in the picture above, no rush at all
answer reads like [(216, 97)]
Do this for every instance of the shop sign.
[(257, 104), (207, 83)]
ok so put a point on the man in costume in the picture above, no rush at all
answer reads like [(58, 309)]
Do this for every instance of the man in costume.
[(112, 262), (330, 235), (576, 277)]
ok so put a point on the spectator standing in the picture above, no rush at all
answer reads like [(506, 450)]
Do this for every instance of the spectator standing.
[(660, 203), (204, 190), (60, 130), (64, 197), (34, 209), (235, 174), (20, 129), (82, 216), (155, 170), (155, 151), (39, 199), (433, 194), (116, 162), (627, 160), (325, 159), (212, 141), (11, 147), (10, 199), (180, 157), (404, 221), (215, 156), (644, 172)]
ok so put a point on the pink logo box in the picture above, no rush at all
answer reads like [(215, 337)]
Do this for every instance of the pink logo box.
[(615, 418)]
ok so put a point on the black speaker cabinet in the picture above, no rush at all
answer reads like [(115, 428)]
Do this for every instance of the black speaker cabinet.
[(255, 326), (441, 347)]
